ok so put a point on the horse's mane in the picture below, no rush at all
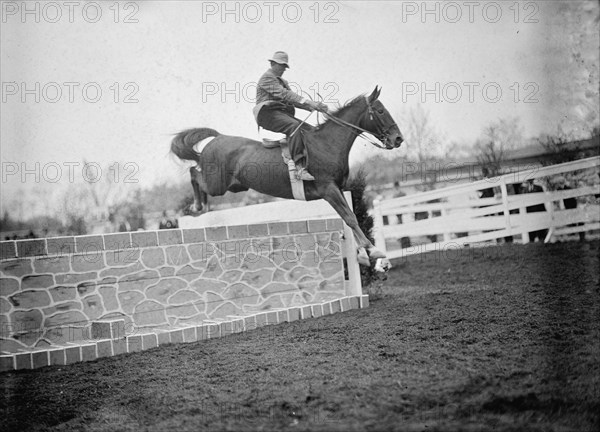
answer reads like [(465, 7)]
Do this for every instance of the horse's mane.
[(342, 109)]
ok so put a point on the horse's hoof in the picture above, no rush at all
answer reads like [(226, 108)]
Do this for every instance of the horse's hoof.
[(363, 258), (382, 265), (194, 211)]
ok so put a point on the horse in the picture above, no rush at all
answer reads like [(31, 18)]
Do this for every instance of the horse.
[(236, 164)]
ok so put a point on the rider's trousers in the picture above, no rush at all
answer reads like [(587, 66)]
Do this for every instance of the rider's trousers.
[(279, 121)]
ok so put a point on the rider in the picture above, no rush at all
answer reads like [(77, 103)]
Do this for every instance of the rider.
[(274, 109)]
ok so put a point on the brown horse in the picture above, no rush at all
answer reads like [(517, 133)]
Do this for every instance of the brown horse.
[(237, 164)]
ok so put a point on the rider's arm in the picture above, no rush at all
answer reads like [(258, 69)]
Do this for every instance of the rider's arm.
[(273, 86)]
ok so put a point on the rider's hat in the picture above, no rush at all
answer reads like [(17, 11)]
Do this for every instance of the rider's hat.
[(281, 58)]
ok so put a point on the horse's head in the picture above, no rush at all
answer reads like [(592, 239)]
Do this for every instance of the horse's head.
[(380, 123)]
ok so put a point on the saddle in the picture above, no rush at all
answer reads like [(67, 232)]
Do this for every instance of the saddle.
[(272, 140)]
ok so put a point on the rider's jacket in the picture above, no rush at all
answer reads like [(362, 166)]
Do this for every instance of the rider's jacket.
[(272, 89)]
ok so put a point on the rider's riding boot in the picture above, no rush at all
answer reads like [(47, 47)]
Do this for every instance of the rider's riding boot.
[(303, 173)]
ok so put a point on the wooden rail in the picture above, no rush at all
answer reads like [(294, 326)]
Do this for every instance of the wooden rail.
[(458, 216)]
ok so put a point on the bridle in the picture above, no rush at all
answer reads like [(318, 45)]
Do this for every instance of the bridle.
[(382, 133)]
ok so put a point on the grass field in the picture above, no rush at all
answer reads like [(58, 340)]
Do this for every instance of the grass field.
[(496, 339)]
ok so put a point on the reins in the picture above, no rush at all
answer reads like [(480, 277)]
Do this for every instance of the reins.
[(363, 131), (344, 123), (341, 122)]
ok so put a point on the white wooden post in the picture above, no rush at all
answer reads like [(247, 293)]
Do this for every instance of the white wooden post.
[(446, 231), (504, 192), (549, 204), (524, 234), (378, 225), (354, 285)]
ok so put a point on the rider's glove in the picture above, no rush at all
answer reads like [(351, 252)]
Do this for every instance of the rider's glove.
[(322, 107), (318, 106)]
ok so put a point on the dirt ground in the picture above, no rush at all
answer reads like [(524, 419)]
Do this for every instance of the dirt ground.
[(494, 339)]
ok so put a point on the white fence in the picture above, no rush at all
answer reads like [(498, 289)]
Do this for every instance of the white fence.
[(458, 215)]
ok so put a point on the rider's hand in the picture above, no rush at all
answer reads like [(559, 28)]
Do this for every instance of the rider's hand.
[(318, 106), (321, 107), (312, 105)]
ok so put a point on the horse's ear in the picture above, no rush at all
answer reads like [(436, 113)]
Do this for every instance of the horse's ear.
[(374, 95)]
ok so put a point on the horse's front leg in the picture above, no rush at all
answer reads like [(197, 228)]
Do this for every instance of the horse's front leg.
[(333, 195)]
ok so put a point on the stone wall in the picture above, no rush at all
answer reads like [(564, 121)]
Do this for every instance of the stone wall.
[(52, 290)]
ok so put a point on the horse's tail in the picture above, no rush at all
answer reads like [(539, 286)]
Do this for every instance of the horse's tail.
[(183, 143)]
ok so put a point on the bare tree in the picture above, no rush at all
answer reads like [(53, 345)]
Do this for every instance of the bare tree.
[(562, 147), (556, 146), (424, 144), (457, 150), (498, 139), (98, 199), (423, 139), (105, 192)]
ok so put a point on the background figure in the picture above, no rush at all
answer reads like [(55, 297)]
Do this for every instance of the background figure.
[(530, 187), (513, 189), (167, 223), (490, 193)]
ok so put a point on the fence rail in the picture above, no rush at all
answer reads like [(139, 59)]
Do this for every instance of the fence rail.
[(460, 216)]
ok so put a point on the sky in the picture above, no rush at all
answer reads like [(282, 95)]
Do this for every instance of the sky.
[(108, 83)]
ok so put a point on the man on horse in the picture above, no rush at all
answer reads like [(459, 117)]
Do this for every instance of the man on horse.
[(274, 109)]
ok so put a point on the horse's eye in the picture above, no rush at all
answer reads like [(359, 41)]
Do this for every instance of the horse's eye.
[(380, 111)]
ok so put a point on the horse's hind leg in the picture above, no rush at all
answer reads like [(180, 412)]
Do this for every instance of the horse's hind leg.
[(200, 197)]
